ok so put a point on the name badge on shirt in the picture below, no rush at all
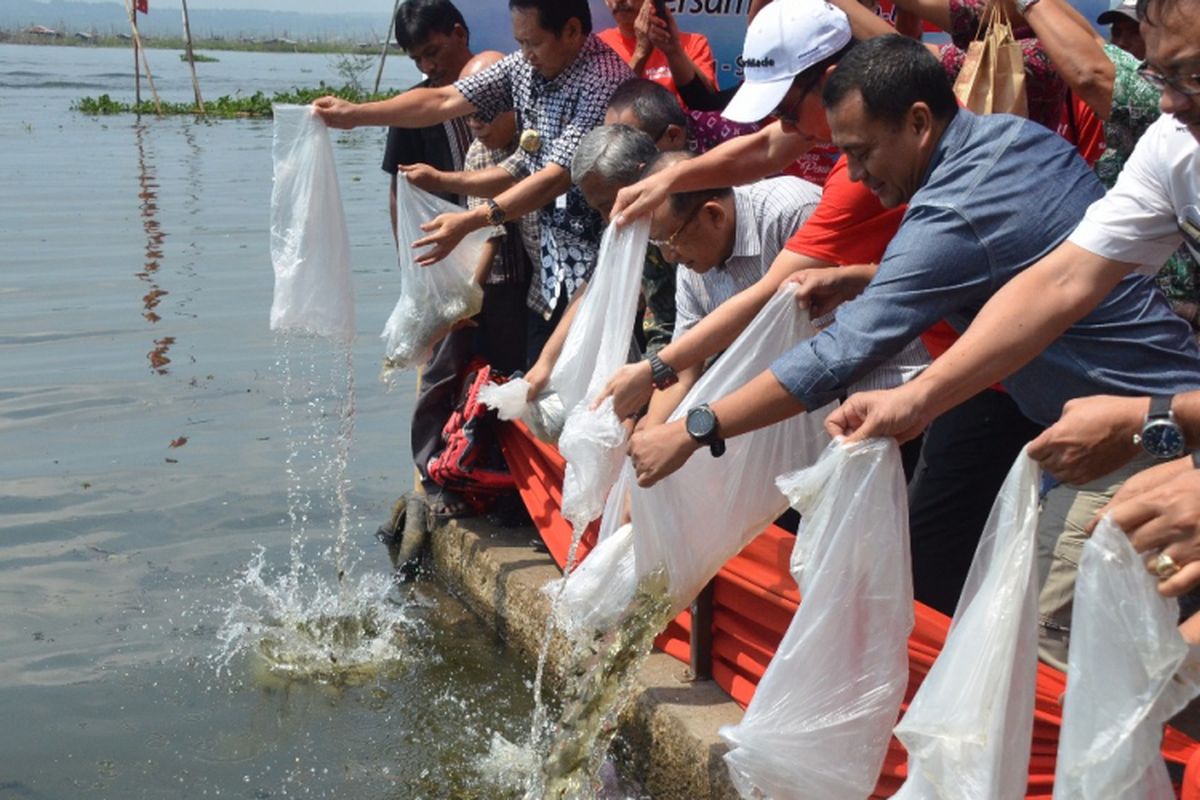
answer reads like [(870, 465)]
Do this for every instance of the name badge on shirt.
[(560, 202)]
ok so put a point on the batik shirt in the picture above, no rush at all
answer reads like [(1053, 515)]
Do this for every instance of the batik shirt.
[(561, 110)]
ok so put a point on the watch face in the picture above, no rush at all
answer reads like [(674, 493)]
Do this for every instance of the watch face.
[(1163, 439), (700, 423)]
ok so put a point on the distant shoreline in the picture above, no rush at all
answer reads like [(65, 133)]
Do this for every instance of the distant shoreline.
[(177, 43)]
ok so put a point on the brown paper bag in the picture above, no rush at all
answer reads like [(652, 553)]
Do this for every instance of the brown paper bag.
[(992, 80)]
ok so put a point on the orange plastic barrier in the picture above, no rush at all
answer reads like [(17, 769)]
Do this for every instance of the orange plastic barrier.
[(754, 599)]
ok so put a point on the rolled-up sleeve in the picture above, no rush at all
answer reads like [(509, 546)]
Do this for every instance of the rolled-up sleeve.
[(935, 267)]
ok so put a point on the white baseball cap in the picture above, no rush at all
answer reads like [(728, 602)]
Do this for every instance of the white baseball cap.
[(1119, 8), (786, 38)]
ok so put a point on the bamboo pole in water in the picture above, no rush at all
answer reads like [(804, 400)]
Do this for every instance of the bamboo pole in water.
[(138, 48), (187, 38), (387, 41), (137, 70)]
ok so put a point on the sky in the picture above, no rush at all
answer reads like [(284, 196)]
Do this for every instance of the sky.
[(383, 7)]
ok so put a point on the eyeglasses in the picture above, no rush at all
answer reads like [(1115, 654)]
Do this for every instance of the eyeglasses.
[(1184, 84), (669, 242)]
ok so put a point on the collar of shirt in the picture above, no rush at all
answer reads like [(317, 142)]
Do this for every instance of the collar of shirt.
[(747, 239), (956, 132)]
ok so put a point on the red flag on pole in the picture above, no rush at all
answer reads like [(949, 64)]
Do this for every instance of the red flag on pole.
[(142, 6)]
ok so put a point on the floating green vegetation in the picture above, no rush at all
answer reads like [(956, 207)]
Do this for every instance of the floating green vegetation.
[(229, 106), (199, 58)]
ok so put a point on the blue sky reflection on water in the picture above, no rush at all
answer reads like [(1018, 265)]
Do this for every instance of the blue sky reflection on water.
[(142, 420)]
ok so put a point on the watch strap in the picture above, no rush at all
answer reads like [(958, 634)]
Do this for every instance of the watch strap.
[(1160, 407), (661, 373), (495, 214)]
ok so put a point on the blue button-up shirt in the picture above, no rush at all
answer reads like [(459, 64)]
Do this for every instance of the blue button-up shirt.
[(999, 194)]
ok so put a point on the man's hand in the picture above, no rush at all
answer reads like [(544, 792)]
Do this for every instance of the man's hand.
[(538, 378), (663, 33), (1141, 483), (822, 290), (1167, 519), (641, 32), (660, 451), (630, 388), (336, 112), (640, 199), (1093, 437), (898, 412), (445, 232), (424, 177)]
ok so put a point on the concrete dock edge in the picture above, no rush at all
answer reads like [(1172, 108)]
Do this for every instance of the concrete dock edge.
[(669, 735)]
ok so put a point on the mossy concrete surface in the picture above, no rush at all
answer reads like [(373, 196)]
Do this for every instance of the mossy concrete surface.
[(668, 735)]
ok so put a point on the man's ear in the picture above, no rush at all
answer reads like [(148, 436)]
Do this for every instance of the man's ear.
[(675, 136), (920, 118), (573, 29), (714, 213), (459, 32)]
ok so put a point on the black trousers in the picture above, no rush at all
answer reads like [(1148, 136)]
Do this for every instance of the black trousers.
[(966, 455)]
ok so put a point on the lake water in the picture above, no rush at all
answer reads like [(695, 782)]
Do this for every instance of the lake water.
[(150, 455)]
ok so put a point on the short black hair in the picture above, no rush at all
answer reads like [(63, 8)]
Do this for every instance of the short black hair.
[(553, 15), (417, 20), (652, 103), (892, 73), (683, 204)]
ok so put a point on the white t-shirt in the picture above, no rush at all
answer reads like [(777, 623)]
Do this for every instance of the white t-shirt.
[(1154, 205)]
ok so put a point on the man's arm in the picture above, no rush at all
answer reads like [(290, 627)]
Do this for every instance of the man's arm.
[(1017, 323), (662, 403), (538, 375), (660, 451), (1076, 51), (487, 182), (744, 159), (631, 386), (416, 108), (446, 231)]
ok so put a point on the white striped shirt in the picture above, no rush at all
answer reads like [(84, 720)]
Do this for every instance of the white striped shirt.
[(768, 213)]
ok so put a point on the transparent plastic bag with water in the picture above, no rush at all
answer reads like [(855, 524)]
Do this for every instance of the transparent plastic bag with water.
[(310, 249), (433, 299), (1128, 672), (596, 345), (969, 728), (822, 716), (692, 522)]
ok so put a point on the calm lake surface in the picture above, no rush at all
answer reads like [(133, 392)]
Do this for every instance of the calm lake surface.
[(151, 454)]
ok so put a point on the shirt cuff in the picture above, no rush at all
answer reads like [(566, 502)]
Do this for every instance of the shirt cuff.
[(803, 376)]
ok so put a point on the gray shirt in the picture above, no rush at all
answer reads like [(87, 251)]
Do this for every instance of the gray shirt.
[(768, 213)]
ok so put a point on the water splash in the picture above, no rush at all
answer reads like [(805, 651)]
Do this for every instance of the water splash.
[(315, 620)]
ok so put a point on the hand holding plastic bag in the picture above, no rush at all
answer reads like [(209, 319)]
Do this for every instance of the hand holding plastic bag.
[(1124, 677), (822, 715), (310, 249), (969, 727), (696, 519), (432, 299), (596, 345)]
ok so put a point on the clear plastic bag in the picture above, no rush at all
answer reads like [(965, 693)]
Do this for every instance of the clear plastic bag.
[(1124, 677), (596, 345), (968, 729), (822, 716), (696, 519), (310, 249), (433, 299)]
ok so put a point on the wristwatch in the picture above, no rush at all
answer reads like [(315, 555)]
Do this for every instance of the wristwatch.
[(495, 214), (702, 426), (661, 374), (1161, 435)]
